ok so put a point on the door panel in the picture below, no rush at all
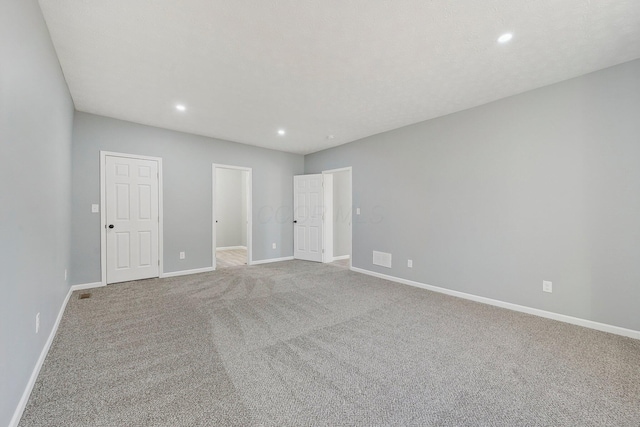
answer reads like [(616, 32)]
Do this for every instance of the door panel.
[(144, 237), (123, 254), (132, 195), (308, 217)]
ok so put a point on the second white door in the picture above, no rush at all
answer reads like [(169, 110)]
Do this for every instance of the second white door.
[(132, 218), (308, 211)]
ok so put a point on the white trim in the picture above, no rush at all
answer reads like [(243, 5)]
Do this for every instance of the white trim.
[(270, 260), (515, 307), (15, 420), (230, 248), (187, 272), (103, 214), (337, 258), (249, 211), (345, 169), (87, 286), (327, 217)]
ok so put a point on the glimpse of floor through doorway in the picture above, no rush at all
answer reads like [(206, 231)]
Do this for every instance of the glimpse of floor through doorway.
[(342, 263), (230, 257)]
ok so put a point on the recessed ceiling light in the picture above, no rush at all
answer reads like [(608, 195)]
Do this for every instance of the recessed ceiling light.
[(505, 38), (331, 137), (281, 132), (181, 107)]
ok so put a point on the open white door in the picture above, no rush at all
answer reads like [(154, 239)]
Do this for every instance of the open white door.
[(132, 218), (308, 210)]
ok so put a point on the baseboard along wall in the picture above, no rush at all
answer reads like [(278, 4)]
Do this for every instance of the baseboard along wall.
[(186, 272), (268, 261), (36, 370), (87, 286), (617, 330)]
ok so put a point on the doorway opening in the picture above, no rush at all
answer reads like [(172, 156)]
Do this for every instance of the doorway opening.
[(231, 216), (338, 216)]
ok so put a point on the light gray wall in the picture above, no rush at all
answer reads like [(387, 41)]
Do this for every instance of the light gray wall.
[(36, 112), (341, 213), (230, 207), (187, 167), (493, 200)]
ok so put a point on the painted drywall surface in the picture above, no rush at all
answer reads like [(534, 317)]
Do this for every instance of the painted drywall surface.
[(493, 200), (230, 207), (36, 114), (341, 213), (187, 168)]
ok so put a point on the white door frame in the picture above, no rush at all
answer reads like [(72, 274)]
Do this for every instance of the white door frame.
[(103, 211), (249, 210), (328, 217)]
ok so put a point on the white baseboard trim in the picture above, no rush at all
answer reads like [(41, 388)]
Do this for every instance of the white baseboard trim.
[(230, 248), (515, 307), (186, 272), (36, 370), (341, 257), (268, 261), (87, 286)]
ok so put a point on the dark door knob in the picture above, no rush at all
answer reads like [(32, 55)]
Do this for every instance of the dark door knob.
[(111, 226), (295, 221)]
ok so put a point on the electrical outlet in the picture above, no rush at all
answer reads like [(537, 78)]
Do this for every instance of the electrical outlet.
[(547, 286), (357, 211), (273, 246), (37, 323), (182, 255), (410, 263)]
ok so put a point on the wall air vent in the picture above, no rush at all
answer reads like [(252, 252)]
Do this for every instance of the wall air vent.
[(382, 258)]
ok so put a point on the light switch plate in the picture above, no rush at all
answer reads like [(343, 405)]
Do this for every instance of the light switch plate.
[(95, 208)]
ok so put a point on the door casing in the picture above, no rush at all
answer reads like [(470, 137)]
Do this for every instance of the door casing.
[(329, 214), (103, 213)]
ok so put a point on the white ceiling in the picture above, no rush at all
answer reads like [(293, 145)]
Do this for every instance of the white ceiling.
[(349, 68)]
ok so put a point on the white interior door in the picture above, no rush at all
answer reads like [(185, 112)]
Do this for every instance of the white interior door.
[(132, 218), (308, 210)]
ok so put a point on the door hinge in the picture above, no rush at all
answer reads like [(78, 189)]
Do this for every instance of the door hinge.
[(158, 263)]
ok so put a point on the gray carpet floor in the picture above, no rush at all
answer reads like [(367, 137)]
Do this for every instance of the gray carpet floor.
[(301, 344)]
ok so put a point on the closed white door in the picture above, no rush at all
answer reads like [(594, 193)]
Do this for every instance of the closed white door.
[(308, 210), (132, 215)]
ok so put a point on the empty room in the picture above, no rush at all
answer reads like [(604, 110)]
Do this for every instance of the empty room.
[(331, 213)]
